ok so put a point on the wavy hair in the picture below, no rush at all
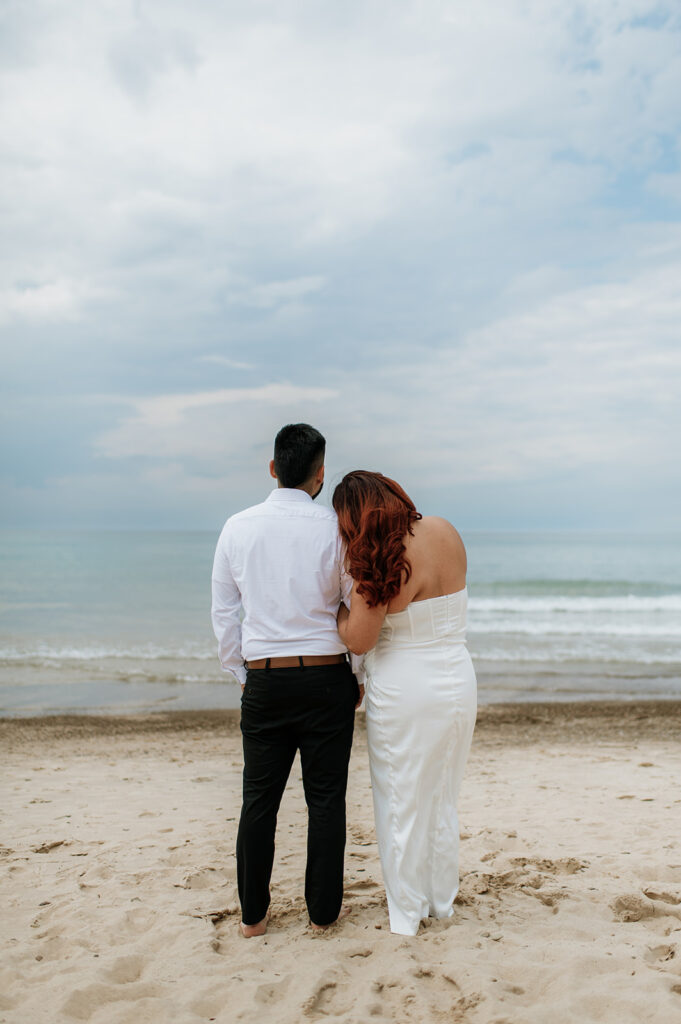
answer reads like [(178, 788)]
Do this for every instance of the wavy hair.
[(374, 516)]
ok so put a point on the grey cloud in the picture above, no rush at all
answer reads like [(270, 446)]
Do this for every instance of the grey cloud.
[(415, 206), (144, 52)]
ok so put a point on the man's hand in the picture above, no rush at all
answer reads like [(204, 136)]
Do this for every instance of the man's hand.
[(361, 695)]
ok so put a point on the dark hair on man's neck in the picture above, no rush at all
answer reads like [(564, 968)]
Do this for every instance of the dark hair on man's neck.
[(298, 453)]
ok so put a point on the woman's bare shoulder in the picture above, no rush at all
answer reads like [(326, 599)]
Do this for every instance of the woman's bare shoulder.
[(438, 560), (439, 526), (439, 535)]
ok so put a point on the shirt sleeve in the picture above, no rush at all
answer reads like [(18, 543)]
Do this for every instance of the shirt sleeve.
[(356, 660), (225, 609), (345, 578)]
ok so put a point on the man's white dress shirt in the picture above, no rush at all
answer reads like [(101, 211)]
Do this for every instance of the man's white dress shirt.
[(282, 563)]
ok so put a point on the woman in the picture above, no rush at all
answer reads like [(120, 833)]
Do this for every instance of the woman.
[(408, 611)]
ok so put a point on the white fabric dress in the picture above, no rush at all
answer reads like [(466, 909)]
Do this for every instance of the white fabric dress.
[(421, 702)]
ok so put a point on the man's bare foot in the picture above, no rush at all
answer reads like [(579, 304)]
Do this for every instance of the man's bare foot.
[(344, 911), (249, 931)]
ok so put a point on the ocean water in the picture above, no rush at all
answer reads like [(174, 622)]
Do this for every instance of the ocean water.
[(97, 621)]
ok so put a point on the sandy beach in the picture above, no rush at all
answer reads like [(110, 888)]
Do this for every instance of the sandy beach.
[(119, 897)]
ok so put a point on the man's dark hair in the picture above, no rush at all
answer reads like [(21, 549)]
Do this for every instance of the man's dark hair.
[(298, 453)]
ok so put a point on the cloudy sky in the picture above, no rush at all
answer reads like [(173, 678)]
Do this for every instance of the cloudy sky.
[(446, 233)]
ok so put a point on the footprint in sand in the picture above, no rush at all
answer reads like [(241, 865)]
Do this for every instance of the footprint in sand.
[(92, 877), (438, 997), (327, 997), (53, 946), (270, 993), (204, 878), (131, 924), (125, 970), (362, 952), (84, 1002), (209, 1004)]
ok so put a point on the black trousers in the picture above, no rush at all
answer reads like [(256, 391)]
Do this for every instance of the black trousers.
[(284, 710)]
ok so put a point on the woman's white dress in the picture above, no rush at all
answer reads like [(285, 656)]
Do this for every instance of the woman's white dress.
[(421, 702)]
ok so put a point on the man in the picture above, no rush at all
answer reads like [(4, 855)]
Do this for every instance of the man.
[(282, 563)]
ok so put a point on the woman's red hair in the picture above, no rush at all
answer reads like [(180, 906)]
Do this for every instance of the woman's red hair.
[(374, 516)]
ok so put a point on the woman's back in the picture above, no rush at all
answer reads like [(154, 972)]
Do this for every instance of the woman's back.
[(438, 563)]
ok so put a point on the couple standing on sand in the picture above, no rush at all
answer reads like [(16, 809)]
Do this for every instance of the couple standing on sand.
[(372, 578)]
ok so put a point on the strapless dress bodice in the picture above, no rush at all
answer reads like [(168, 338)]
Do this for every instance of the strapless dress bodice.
[(432, 619)]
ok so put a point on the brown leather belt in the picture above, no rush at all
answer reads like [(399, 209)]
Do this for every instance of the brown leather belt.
[(297, 661)]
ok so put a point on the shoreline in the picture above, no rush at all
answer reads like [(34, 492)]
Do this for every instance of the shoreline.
[(538, 721), (74, 690)]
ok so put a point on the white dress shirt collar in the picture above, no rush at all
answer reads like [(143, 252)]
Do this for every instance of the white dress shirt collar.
[(289, 494)]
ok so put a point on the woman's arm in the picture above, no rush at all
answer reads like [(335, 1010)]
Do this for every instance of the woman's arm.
[(359, 627)]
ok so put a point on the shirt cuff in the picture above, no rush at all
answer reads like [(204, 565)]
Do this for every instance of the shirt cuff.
[(239, 673), (357, 665)]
